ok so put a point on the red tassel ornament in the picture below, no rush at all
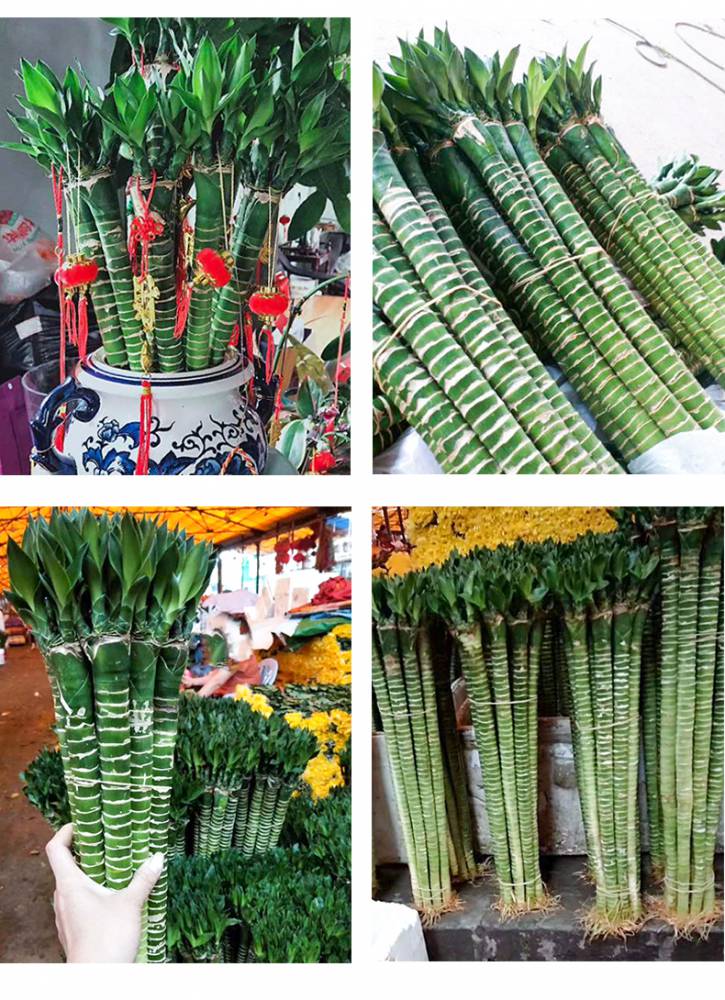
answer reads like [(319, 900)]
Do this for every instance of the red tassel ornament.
[(144, 434), (74, 277)]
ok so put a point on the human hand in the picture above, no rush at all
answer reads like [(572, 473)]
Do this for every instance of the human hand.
[(96, 924), (213, 681)]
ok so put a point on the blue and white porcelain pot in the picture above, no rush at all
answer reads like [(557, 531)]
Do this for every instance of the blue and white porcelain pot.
[(201, 423)]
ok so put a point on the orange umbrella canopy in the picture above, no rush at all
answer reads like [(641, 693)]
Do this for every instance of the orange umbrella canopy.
[(220, 525)]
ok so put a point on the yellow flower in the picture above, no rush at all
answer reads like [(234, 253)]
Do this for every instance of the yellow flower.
[(332, 729), (342, 631), (436, 533), (322, 774), (319, 661), (256, 701)]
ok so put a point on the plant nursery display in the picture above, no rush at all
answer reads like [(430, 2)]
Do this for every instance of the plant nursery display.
[(620, 630), (512, 233), (167, 185), (242, 784)]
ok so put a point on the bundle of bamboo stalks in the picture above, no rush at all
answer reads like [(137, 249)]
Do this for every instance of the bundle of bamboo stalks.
[(111, 602)]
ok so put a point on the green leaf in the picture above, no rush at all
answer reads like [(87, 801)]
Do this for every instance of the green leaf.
[(39, 90), (311, 114), (293, 442), (23, 572), (307, 215), (330, 351)]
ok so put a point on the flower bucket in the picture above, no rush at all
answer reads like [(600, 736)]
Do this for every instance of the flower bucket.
[(200, 423)]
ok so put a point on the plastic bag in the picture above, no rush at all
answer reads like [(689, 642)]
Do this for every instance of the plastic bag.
[(27, 258), (690, 453), (409, 455)]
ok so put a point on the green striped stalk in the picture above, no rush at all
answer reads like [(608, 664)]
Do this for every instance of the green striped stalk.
[(621, 636), (101, 291), (716, 769), (458, 807), (645, 268), (607, 721), (623, 419), (272, 788), (254, 816), (634, 259), (689, 704), (425, 405), (254, 227), (411, 170), (704, 268), (84, 769), (109, 657), (666, 239), (170, 666), (570, 283), (651, 709), (406, 697), (476, 333), (208, 234), (418, 680), (102, 197), (388, 423), (243, 805), (669, 583), (609, 285), (447, 111), (455, 373), (490, 600), (142, 677), (280, 813), (690, 533), (709, 610), (470, 647), (403, 773), (168, 349), (230, 817)]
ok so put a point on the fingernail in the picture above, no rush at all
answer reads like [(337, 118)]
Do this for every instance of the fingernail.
[(156, 862)]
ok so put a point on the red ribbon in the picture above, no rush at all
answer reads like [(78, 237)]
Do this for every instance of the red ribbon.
[(56, 181), (144, 432), (249, 336), (269, 358), (143, 230), (341, 338), (234, 339)]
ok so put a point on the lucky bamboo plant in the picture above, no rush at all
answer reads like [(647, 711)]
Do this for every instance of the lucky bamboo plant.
[(226, 117), (111, 601), (682, 709)]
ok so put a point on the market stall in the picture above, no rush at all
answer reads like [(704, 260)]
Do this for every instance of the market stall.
[(546, 296), (190, 313), (548, 713), (245, 788)]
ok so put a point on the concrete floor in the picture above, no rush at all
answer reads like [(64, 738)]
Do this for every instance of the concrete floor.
[(475, 933), (27, 924)]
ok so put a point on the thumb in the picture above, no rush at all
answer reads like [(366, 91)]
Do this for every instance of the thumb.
[(145, 879)]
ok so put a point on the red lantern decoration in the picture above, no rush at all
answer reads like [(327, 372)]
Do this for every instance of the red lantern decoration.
[(77, 273), (75, 276), (213, 268), (268, 303)]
